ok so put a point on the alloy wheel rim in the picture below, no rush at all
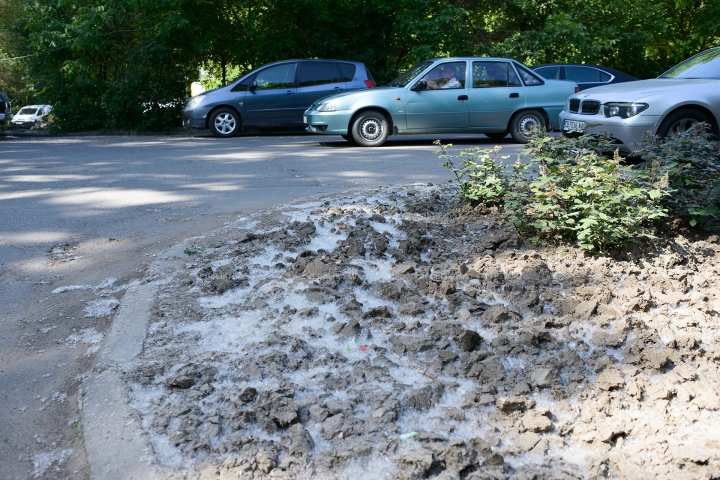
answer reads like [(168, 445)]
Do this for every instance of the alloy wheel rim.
[(225, 123), (371, 129), (682, 125)]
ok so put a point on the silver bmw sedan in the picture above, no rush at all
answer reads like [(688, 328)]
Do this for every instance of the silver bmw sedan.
[(686, 94)]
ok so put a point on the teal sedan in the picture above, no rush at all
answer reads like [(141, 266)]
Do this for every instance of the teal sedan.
[(494, 96)]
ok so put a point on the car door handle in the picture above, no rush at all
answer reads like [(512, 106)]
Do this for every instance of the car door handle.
[(463, 97), (514, 95), (289, 92)]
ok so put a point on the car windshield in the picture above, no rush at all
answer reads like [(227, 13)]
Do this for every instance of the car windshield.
[(27, 111), (702, 65), (407, 77)]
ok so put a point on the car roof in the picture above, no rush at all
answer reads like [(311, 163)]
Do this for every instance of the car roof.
[(617, 73)]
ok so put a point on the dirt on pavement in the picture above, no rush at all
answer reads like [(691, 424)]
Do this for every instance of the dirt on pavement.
[(397, 334)]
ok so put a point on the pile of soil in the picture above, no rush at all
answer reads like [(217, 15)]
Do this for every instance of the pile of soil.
[(398, 334)]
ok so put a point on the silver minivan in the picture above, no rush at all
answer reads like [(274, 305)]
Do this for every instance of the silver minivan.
[(275, 94)]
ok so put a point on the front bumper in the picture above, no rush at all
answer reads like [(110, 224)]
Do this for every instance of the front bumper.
[(327, 123), (24, 124), (194, 119), (627, 132)]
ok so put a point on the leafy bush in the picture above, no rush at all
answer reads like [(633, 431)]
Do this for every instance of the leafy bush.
[(692, 164), (578, 193), (480, 176)]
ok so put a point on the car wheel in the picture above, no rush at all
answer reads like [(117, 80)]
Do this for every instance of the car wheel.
[(225, 122), (679, 122), (349, 138), (370, 129), (496, 135), (523, 124)]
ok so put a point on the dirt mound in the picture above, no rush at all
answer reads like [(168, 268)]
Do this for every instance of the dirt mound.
[(398, 335)]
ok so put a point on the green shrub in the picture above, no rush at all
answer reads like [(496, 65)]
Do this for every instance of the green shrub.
[(479, 176), (570, 190), (692, 164)]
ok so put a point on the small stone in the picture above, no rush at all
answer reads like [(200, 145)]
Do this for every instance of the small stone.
[(610, 379), (467, 340), (404, 268), (527, 441)]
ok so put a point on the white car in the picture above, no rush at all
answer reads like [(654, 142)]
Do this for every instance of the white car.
[(686, 94), (32, 114)]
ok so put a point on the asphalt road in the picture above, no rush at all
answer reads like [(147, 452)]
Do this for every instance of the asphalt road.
[(77, 211)]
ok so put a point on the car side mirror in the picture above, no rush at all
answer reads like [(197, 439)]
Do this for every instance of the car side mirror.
[(421, 85), (252, 86)]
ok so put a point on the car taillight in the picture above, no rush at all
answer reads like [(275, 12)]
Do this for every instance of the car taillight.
[(370, 83), (577, 89)]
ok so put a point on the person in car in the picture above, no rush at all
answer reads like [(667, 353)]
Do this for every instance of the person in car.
[(446, 79)]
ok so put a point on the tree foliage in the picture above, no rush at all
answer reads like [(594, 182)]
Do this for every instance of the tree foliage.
[(129, 63)]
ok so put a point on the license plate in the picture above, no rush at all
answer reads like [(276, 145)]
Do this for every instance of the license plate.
[(304, 118), (573, 125)]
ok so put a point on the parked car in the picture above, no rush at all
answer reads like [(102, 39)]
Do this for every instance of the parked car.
[(686, 94), (5, 109), (494, 96), (586, 76), (31, 115), (275, 94)]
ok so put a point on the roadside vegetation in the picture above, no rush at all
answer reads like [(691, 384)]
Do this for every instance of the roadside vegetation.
[(128, 64), (579, 190)]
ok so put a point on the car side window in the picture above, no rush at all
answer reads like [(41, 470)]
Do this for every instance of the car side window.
[(281, 76), (604, 77), (582, 74), (317, 73), (488, 74), (551, 73), (528, 77), (347, 71), (243, 86), (446, 76)]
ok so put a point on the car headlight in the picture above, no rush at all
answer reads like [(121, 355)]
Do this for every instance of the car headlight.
[(624, 109), (194, 102), (326, 107)]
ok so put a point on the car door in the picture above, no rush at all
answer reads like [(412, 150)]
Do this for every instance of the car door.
[(271, 96), (443, 106), (316, 80), (495, 95)]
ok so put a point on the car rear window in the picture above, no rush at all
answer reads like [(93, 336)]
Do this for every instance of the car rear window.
[(317, 73), (347, 71)]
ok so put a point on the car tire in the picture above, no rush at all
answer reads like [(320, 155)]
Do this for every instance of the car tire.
[(522, 124), (496, 135), (370, 129), (225, 123), (349, 138), (679, 122)]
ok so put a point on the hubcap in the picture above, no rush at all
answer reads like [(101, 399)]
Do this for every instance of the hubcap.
[(225, 123), (527, 124), (371, 129)]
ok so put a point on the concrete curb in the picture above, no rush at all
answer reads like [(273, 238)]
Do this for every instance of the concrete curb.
[(115, 445)]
